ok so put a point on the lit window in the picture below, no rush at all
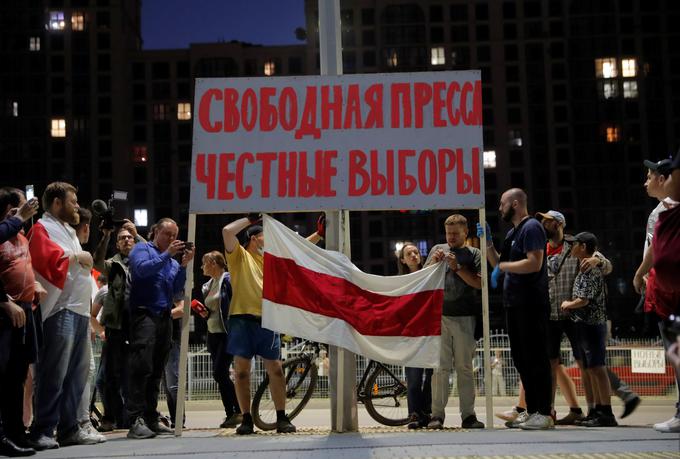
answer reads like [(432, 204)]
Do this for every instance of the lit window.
[(489, 159), (630, 90), (269, 68), (161, 112), (34, 44), (392, 59), (606, 68), (57, 20), (628, 68), (184, 111), (58, 127), (141, 217), (437, 56), (612, 134), (77, 21), (140, 154), (515, 138), (15, 109), (609, 89)]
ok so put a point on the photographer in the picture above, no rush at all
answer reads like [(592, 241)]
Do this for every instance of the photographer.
[(155, 279), (114, 320)]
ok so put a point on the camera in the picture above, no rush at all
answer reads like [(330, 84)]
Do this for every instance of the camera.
[(106, 212), (671, 327)]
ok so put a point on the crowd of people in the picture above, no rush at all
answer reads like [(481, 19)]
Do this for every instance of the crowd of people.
[(55, 296)]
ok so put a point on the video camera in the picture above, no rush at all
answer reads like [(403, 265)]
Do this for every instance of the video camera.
[(106, 212)]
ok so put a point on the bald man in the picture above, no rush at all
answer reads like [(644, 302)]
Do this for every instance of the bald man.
[(527, 306)]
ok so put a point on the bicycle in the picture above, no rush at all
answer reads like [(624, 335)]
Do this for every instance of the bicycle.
[(380, 390)]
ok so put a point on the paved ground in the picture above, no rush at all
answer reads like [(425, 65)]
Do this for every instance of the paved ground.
[(633, 439)]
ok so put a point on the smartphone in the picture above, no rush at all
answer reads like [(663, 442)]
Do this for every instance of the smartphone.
[(30, 193), (188, 245)]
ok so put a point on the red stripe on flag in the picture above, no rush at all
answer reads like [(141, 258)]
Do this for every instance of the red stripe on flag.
[(369, 313), (47, 257)]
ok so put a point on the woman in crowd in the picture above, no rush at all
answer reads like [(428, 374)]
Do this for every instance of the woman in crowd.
[(418, 380)]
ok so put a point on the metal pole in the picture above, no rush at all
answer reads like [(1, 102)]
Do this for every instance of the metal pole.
[(342, 375), (488, 387), (184, 346)]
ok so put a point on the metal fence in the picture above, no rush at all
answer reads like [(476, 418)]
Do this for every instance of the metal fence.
[(505, 379)]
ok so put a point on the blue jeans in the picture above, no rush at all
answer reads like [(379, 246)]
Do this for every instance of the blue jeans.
[(62, 369), (419, 391)]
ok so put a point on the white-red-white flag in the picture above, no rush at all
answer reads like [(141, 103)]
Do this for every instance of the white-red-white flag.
[(320, 295)]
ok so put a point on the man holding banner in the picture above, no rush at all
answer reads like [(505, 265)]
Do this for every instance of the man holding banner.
[(247, 337)]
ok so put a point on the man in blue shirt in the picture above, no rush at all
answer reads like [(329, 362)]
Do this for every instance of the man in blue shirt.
[(527, 306), (156, 278)]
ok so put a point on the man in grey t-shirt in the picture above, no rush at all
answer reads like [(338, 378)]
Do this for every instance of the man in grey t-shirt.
[(462, 303)]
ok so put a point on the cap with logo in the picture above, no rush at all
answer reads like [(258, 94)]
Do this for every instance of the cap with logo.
[(589, 239), (551, 215)]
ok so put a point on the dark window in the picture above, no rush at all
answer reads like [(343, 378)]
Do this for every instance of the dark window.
[(513, 94), (103, 62), (104, 105), (369, 58), (139, 91), (509, 10), (459, 33), (183, 90), (104, 83), (57, 42), (514, 115), (139, 112), (459, 13), (517, 180), (138, 70), (160, 70), (481, 12), (347, 17), (367, 16), (510, 31), (183, 69), (437, 35), (516, 158), (532, 9), (57, 63), (139, 133), (250, 67), (349, 61), (103, 19), (368, 37), (376, 249), (295, 65), (483, 53), (511, 53), (160, 90), (512, 73), (558, 71), (482, 33), (103, 40), (140, 175), (105, 148), (104, 127), (183, 131), (436, 13), (556, 50), (105, 169), (58, 85)]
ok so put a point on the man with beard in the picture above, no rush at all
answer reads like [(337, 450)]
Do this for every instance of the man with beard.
[(114, 319), (63, 268), (527, 305)]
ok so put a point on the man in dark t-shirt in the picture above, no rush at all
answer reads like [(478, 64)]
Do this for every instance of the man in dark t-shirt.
[(527, 306)]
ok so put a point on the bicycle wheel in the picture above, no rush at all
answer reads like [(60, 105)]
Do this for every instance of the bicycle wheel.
[(301, 376), (385, 398)]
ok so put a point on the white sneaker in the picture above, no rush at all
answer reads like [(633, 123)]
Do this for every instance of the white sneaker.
[(509, 415), (670, 426), (78, 437), (91, 431), (520, 419), (538, 421)]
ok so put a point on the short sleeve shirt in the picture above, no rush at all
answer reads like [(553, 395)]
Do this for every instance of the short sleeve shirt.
[(525, 289), (590, 286), (247, 274), (459, 298)]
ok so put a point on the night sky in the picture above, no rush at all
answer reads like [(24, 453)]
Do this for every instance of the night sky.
[(177, 23)]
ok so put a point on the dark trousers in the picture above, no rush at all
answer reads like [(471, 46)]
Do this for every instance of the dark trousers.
[(15, 356), (150, 340), (419, 390), (221, 361), (527, 326), (114, 361)]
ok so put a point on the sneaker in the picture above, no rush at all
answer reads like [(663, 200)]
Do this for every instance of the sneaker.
[(521, 417), (413, 421), (42, 442), (139, 430), (245, 429), (537, 421), (471, 422), (78, 437), (670, 426), (509, 415), (159, 428), (232, 421), (106, 426), (571, 419), (630, 405), (601, 420), (89, 428), (591, 414), (436, 423), (284, 425)]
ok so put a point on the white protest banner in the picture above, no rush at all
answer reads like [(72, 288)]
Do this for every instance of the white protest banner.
[(357, 142), (647, 361)]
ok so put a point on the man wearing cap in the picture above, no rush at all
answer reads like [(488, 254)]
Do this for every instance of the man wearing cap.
[(587, 309), (666, 262), (526, 302)]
